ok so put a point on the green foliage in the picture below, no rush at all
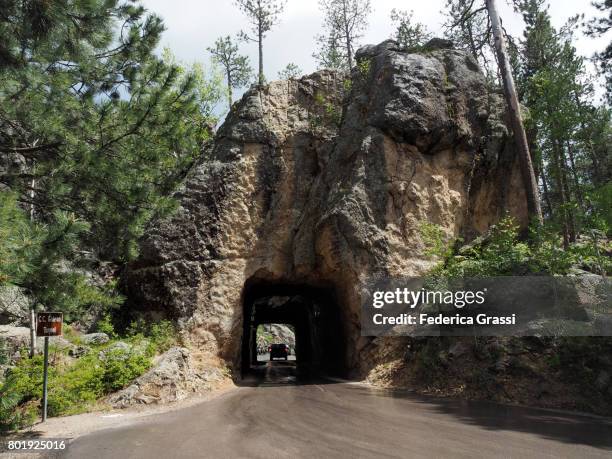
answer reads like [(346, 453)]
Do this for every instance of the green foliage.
[(236, 67), (105, 325), (364, 66), (290, 71), (38, 257), (328, 112), (330, 54), (163, 335), (409, 34), (347, 85), (11, 415), (3, 352), (104, 127), (76, 387), (435, 240), (262, 16), (467, 26), (18, 241), (344, 22), (264, 337), (502, 253), (121, 367)]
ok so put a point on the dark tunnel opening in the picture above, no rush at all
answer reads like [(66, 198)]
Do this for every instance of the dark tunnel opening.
[(313, 312)]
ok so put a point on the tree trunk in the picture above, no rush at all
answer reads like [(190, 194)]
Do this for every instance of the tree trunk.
[(529, 180), (547, 196), (260, 40), (561, 190), (32, 332), (229, 88), (577, 187), (571, 220), (347, 36)]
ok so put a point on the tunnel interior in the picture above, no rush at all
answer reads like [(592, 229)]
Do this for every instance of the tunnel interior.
[(313, 312)]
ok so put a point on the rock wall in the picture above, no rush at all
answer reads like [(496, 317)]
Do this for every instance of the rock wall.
[(323, 181)]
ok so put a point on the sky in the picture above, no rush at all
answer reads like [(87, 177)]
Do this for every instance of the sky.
[(194, 25)]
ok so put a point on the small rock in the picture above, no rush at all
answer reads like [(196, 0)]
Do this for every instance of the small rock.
[(59, 342), (78, 351), (118, 346), (95, 338)]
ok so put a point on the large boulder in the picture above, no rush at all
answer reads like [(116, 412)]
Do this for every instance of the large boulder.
[(325, 180), (14, 306)]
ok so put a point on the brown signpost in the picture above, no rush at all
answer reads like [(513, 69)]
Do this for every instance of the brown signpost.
[(47, 324)]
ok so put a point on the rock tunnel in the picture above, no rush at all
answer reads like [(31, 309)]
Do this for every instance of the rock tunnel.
[(320, 337)]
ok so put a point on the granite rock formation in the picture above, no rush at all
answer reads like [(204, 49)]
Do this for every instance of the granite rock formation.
[(325, 180)]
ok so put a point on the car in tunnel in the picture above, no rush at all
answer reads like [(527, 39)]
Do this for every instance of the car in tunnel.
[(279, 351)]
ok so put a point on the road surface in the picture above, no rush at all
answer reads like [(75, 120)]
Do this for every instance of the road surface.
[(275, 416)]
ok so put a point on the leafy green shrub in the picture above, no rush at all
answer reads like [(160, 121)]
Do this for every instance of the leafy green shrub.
[(122, 367), (364, 66), (502, 253), (73, 388), (163, 335), (3, 352), (105, 325)]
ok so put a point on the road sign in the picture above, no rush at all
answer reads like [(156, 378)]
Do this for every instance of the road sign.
[(49, 323)]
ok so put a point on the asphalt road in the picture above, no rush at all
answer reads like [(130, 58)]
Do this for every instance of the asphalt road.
[(276, 416)]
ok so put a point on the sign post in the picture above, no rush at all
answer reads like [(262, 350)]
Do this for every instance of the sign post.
[(47, 324)]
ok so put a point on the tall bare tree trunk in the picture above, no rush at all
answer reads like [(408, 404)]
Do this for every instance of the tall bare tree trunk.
[(32, 311), (347, 36), (547, 196), (260, 41), (229, 88), (577, 187), (529, 180), (32, 332), (571, 220), (561, 189)]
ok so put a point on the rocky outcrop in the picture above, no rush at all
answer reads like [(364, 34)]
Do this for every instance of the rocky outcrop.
[(325, 180), (176, 374)]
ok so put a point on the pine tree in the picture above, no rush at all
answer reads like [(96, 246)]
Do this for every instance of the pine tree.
[(344, 24), (329, 54), (235, 66), (597, 27), (409, 33), (291, 70), (92, 121), (568, 133), (468, 26), (263, 15)]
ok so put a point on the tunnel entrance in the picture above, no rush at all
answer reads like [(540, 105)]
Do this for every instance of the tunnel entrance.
[(311, 312)]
